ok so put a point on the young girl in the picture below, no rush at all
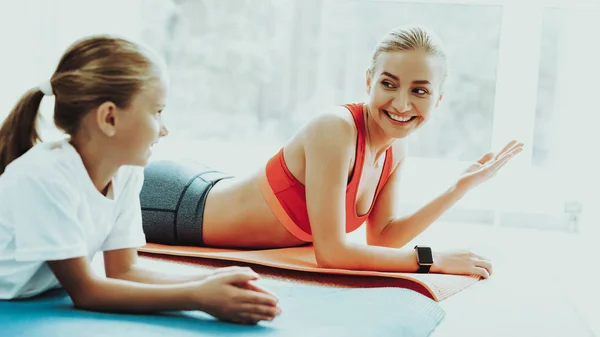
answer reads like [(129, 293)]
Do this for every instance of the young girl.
[(338, 172), (62, 202)]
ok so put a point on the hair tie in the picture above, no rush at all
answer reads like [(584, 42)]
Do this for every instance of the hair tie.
[(46, 88)]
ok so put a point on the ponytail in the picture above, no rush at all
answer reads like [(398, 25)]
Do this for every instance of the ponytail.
[(92, 70), (18, 133)]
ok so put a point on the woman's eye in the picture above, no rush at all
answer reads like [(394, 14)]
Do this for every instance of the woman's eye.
[(387, 84), (421, 91)]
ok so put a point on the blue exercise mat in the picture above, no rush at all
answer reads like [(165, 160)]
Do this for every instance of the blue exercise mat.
[(307, 311)]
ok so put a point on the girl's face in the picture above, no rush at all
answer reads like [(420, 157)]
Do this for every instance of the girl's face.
[(403, 89), (141, 125)]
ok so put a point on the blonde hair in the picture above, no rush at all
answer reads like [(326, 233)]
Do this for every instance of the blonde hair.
[(92, 71), (410, 38)]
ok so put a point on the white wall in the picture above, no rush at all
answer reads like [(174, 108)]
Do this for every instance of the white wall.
[(35, 33), (579, 111)]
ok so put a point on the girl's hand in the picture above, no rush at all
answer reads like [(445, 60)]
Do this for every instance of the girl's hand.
[(461, 263), (230, 295), (248, 285), (487, 166)]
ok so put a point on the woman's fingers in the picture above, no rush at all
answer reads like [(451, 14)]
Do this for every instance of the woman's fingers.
[(496, 162), (486, 264), (503, 159), (506, 148), (485, 158), (481, 272)]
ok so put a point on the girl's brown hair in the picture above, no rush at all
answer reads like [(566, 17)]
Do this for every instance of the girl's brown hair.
[(92, 71)]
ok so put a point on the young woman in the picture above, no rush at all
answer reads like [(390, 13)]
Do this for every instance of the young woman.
[(62, 202), (338, 172)]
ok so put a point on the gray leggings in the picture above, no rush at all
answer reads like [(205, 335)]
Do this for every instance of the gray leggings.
[(173, 199)]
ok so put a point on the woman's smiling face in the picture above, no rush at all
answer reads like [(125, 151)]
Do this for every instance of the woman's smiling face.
[(404, 87)]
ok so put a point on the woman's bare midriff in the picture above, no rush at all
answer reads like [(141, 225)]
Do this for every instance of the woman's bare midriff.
[(237, 215)]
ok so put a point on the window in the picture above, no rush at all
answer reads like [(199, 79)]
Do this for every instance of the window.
[(237, 76), (247, 76), (566, 121)]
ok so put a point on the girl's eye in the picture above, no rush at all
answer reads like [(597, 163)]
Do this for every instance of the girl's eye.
[(421, 91)]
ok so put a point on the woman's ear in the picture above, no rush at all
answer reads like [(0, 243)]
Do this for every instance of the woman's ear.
[(439, 100), (368, 77)]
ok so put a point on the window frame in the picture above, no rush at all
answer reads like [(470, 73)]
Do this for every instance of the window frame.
[(516, 81), (519, 187)]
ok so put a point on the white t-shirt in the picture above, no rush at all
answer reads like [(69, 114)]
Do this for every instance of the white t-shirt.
[(51, 210)]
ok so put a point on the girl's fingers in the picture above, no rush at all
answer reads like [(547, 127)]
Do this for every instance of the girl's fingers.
[(253, 286)]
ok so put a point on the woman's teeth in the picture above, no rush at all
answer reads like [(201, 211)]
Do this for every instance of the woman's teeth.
[(399, 118)]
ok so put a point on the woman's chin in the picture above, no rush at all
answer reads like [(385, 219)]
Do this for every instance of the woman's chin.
[(400, 134), (397, 133)]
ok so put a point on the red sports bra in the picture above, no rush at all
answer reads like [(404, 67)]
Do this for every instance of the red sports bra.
[(286, 196)]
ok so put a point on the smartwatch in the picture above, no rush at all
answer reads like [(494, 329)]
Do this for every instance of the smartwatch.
[(424, 258)]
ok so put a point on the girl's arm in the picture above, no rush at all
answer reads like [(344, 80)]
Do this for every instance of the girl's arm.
[(329, 147), (222, 295), (124, 264)]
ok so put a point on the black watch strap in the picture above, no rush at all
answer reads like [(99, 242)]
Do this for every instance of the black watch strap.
[(424, 258), (424, 269)]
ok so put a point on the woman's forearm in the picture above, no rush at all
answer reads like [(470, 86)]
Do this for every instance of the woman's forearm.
[(399, 232), (383, 254), (354, 256)]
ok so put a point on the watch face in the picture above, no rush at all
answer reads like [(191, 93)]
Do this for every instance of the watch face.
[(424, 255)]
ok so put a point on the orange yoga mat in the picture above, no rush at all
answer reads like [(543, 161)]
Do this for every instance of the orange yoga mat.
[(302, 259)]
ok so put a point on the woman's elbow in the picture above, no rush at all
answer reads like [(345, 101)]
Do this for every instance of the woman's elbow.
[(374, 240), (324, 261), (331, 258)]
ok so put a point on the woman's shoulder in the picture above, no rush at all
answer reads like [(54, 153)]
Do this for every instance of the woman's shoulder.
[(332, 128), (332, 121), (341, 113)]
